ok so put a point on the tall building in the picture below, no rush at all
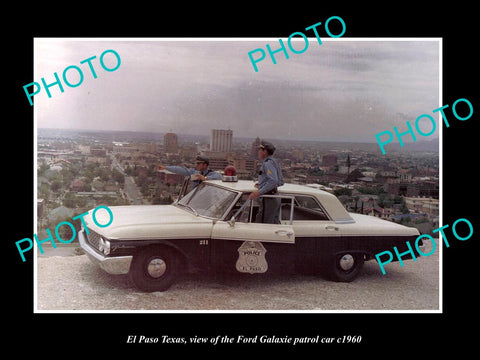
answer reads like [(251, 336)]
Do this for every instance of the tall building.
[(170, 143), (243, 163), (221, 140), (254, 148), (297, 154)]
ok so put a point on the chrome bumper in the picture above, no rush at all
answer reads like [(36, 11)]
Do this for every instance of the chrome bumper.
[(112, 265)]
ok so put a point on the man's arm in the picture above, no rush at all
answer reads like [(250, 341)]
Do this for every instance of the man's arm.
[(213, 175), (181, 170)]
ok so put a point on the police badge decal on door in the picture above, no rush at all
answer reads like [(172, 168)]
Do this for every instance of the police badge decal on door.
[(251, 258)]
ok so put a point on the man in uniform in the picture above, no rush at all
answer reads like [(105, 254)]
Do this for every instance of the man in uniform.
[(201, 170), (269, 179)]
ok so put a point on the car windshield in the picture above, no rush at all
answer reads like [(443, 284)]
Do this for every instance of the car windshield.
[(208, 200)]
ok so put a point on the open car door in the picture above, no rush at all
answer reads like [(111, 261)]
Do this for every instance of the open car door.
[(256, 238), (246, 230)]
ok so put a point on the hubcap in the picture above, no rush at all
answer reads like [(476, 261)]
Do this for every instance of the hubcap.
[(346, 262), (156, 268)]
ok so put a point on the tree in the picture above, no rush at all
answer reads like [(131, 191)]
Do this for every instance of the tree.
[(55, 186), (88, 175), (118, 176), (69, 200), (43, 167), (67, 177), (44, 191), (404, 209), (65, 231), (342, 191), (405, 220)]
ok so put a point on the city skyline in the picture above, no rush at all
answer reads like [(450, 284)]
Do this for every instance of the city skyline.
[(345, 91), (428, 145)]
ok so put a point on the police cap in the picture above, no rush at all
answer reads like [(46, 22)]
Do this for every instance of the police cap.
[(204, 159), (267, 146)]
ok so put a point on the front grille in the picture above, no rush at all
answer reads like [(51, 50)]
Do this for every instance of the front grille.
[(93, 239), (116, 249)]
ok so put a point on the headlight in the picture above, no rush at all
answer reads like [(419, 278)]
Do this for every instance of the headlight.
[(106, 249), (101, 244), (104, 246)]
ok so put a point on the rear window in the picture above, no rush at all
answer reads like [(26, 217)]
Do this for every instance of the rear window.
[(305, 208)]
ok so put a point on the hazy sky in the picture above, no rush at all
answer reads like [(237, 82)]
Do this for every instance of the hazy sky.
[(345, 90)]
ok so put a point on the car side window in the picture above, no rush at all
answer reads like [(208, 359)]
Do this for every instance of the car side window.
[(305, 208), (244, 215)]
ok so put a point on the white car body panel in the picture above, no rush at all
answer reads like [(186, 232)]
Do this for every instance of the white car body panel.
[(140, 222)]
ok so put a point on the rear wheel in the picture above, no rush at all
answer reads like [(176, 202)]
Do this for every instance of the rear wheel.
[(155, 268), (345, 267)]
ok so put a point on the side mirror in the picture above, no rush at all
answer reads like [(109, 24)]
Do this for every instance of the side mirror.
[(231, 222)]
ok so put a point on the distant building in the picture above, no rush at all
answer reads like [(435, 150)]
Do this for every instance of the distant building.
[(170, 143), (111, 185), (170, 178), (329, 160), (40, 207), (221, 140), (124, 149), (97, 184), (355, 175), (418, 205), (413, 189), (298, 155), (98, 152), (148, 147), (84, 149), (218, 163), (77, 185), (98, 160), (243, 164), (254, 149), (60, 212)]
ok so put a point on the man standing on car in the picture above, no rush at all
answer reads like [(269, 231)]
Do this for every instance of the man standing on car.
[(201, 170), (269, 179)]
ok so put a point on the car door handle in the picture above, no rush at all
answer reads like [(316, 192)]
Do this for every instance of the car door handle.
[(284, 233), (331, 228)]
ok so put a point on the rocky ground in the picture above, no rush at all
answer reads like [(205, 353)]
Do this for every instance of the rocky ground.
[(68, 281)]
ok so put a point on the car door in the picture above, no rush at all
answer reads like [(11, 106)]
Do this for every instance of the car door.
[(272, 233), (316, 234), (251, 247)]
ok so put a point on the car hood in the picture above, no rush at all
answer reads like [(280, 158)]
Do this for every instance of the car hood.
[(149, 222)]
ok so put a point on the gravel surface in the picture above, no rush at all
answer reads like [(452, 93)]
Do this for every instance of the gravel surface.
[(72, 282)]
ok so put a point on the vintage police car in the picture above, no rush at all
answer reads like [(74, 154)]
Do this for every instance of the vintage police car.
[(213, 227)]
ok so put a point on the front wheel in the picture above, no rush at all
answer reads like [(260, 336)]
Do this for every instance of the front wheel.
[(155, 268), (345, 267)]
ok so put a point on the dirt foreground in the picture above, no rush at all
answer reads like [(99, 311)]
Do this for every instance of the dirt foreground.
[(72, 282)]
